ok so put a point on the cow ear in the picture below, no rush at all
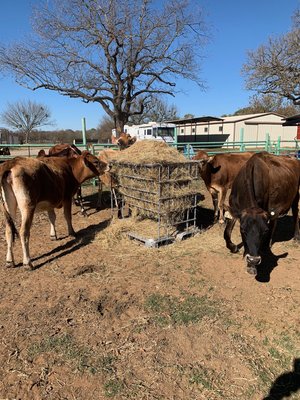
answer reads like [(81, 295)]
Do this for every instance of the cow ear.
[(202, 162)]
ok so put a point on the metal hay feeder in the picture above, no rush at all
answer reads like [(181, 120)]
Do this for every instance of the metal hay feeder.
[(164, 192)]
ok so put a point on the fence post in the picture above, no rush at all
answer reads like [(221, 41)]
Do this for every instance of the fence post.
[(83, 131), (278, 145), (242, 144), (267, 143), (175, 137)]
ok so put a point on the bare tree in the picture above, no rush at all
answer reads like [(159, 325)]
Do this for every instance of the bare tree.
[(187, 116), (115, 53), (269, 103), (274, 68), (156, 110), (105, 128), (26, 116)]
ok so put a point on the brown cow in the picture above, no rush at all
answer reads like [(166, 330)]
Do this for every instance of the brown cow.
[(33, 184), (125, 140), (106, 179), (218, 173), (265, 188), (70, 151), (64, 149)]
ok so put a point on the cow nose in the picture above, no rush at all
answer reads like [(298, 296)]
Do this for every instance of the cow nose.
[(253, 260)]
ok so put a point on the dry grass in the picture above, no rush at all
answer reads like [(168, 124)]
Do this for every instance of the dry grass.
[(151, 152)]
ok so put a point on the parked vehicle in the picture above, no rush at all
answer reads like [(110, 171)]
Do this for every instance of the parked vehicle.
[(152, 130)]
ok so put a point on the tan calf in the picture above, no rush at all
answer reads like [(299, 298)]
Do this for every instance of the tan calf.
[(41, 184)]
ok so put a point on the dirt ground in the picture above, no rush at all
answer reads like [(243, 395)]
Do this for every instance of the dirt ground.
[(103, 316)]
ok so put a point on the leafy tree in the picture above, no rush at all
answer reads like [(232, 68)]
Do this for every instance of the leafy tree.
[(115, 53), (269, 103), (274, 68), (26, 116)]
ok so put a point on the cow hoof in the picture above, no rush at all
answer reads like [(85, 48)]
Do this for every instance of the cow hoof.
[(53, 238), (234, 248), (251, 270), (28, 267), (10, 264), (221, 221)]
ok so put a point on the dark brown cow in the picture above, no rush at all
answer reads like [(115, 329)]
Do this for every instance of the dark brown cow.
[(264, 189), (4, 151), (33, 184), (218, 173)]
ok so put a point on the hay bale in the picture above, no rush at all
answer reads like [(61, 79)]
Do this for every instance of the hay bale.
[(150, 152), (157, 181)]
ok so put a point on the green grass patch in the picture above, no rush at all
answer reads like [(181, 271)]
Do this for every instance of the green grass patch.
[(113, 387), (185, 310), (80, 357)]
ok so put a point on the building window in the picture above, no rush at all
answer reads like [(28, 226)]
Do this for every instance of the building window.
[(181, 130), (220, 128), (206, 129), (193, 130)]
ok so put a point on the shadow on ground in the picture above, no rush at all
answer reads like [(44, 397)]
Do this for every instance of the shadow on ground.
[(83, 238), (286, 384)]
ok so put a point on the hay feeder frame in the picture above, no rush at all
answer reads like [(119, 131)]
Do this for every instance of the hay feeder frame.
[(164, 192)]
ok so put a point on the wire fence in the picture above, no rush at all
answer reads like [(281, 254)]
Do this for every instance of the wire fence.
[(278, 147)]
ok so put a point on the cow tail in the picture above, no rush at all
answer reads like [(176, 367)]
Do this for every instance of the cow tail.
[(7, 215)]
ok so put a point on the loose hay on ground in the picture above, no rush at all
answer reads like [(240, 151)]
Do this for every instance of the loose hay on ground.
[(119, 229)]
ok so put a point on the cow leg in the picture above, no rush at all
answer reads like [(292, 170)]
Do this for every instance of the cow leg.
[(52, 219), (222, 195), (11, 205), (27, 217), (273, 225), (79, 201), (227, 236), (68, 217), (100, 190), (214, 195), (295, 211)]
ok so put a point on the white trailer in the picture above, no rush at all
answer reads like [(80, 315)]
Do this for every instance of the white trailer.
[(152, 130)]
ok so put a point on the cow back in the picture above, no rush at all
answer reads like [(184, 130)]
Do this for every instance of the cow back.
[(223, 168), (266, 181)]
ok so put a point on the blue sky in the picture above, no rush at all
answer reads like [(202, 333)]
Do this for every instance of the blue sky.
[(236, 26)]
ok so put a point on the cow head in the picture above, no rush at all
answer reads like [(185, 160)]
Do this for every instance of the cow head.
[(256, 233), (96, 166), (203, 158), (125, 140), (41, 153)]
